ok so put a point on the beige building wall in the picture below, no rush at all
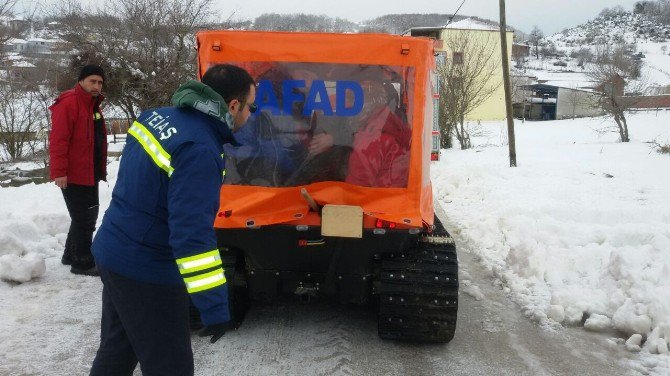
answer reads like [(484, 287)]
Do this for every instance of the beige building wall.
[(576, 103), (494, 107)]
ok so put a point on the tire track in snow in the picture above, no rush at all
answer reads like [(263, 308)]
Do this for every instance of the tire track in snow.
[(337, 346)]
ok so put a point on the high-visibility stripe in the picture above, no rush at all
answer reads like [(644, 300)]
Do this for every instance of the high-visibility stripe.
[(160, 157), (205, 281), (199, 262)]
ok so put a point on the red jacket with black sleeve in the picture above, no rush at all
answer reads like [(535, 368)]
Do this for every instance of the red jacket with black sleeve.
[(72, 137)]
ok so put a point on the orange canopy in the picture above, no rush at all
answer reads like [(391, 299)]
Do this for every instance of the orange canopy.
[(245, 205)]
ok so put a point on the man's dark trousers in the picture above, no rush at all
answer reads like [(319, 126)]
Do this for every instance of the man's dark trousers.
[(83, 205), (143, 322)]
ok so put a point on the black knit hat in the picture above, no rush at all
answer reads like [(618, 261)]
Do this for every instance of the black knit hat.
[(90, 70)]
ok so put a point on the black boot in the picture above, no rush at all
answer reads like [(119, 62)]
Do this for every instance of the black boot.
[(67, 253), (92, 271), (66, 259), (82, 262)]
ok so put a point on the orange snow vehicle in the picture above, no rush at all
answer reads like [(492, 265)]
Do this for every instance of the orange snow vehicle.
[(329, 191)]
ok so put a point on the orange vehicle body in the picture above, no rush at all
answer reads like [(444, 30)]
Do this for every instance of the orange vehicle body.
[(410, 206)]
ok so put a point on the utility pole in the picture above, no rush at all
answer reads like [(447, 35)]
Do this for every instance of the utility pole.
[(508, 86)]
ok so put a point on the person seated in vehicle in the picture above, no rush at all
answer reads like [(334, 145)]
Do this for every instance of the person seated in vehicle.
[(381, 145), (273, 142), (327, 142), (370, 149)]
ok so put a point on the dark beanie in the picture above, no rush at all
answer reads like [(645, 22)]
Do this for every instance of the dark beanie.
[(90, 70)]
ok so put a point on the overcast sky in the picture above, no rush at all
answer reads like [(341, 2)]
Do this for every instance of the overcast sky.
[(550, 15)]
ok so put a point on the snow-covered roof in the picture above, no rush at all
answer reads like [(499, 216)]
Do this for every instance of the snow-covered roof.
[(567, 80), (427, 28), (16, 41), (572, 85), (470, 24), (474, 24), (540, 100), (22, 64)]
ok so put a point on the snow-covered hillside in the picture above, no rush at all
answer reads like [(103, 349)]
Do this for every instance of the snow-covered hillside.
[(647, 38), (625, 27)]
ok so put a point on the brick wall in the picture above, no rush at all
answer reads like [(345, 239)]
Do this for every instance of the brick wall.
[(651, 101)]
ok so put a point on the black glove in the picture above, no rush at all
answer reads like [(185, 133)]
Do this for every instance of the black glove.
[(215, 330)]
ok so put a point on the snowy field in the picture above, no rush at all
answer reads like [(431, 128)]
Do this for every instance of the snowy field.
[(577, 235), (656, 63)]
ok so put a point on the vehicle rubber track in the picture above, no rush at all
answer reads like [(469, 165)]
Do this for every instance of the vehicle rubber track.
[(418, 292)]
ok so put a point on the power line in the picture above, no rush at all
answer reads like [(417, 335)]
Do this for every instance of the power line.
[(451, 18)]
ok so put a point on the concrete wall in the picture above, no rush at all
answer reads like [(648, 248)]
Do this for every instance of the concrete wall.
[(576, 103)]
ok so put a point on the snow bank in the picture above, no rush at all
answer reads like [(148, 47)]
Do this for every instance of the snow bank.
[(580, 232), (33, 226), (21, 269)]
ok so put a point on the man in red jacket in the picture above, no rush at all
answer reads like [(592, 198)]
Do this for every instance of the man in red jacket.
[(78, 153)]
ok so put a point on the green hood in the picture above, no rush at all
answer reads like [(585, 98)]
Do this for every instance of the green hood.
[(201, 97)]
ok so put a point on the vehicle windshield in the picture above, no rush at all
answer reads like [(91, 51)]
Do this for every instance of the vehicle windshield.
[(325, 122)]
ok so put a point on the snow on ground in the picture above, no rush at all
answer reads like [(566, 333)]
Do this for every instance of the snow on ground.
[(654, 72), (34, 222), (579, 232), (21, 165), (45, 317), (656, 63)]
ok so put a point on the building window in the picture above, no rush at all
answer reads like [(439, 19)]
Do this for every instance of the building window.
[(457, 57)]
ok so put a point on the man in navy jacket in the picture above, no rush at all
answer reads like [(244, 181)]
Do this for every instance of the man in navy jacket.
[(156, 246)]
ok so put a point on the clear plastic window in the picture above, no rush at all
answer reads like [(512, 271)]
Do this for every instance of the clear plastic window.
[(325, 122)]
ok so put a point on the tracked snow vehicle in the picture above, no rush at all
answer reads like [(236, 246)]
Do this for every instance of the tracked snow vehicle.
[(329, 192)]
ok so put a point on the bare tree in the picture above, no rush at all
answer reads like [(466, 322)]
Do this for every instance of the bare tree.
[(575, 99), (609, 70), (519, 61), (43, 83), (534, 38), (583, 56), (302, 22), (6, 10), (466, 81), (23, 114), (398, 23), (21, 118), (6, 33), (612, 12), (147, 46), (520, 92)]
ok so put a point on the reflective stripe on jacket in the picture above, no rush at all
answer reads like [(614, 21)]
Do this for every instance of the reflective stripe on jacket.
[(159, 225)]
